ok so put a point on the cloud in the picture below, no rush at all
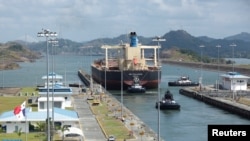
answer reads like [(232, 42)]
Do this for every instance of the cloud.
[(82, 20)]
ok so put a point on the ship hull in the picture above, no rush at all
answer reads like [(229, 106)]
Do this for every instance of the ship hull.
[(148, 78)]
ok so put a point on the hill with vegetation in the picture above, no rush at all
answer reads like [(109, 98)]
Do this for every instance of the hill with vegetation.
[(11, 53), (184, 40), (174, 39), (179, 45)]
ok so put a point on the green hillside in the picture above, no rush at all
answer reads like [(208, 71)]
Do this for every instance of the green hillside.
[(11, 53)]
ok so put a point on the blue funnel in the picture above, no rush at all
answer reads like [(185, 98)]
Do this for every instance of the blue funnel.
[(133, 39)]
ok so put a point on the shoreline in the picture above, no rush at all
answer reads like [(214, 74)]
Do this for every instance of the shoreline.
[(209, 66)]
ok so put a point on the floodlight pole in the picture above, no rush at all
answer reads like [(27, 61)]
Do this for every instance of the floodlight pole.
[(218, 61), (46, 33), (158, 40), (233, 45), (54, 43), (201, 46)]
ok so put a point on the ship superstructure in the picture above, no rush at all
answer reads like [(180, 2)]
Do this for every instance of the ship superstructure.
[(130, 61)]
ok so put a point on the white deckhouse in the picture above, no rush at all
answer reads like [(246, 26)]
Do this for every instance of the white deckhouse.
[(234, 81)]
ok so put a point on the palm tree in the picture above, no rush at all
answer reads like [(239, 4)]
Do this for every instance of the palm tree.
[(19, 132), (40, 126), (62, 129), (1, 129)]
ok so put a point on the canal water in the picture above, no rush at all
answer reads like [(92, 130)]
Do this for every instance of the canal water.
[(187, 124)]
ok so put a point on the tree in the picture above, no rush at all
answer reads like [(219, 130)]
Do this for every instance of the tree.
[(40, 126), (1, 129), (19, 132), (62, 129)]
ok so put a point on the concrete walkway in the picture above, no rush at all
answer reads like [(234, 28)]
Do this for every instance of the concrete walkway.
[(93, 132), (88, 123)]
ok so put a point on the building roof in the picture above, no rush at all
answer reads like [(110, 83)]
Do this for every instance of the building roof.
[(54, 75), (234, 75), (58, 90), (59, 115), (50, 99)]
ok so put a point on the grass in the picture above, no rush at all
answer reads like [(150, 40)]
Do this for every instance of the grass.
[(29, 90), (9, 103), (30, 136), (110, 124), (37, 136)]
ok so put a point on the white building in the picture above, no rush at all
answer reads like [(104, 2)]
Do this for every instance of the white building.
[(54, 79), (234, 81), (58, 92), (64, 117), (59, 102)]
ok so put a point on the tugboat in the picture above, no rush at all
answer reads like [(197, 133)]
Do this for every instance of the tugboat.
[(183, 81), (136, 87), (168, 102)]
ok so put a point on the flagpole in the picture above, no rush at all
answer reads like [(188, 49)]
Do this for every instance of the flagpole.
[(20, 113), (25, 123), (25, 116)]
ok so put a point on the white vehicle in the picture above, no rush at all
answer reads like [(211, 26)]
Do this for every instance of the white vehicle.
[(111, 138)]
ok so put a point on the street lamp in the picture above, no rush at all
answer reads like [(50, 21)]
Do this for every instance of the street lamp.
[(121, 55), (218, 61), (201, 46), (53, 43), (106, 67), (158, 40), (3, 74), (233, 45), (46, 33)]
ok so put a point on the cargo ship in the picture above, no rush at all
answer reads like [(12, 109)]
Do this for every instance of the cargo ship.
[(128, 61)]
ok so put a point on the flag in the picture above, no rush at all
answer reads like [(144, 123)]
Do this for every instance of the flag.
[(19, 111)]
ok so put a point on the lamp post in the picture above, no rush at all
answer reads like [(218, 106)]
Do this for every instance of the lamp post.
[(201, 46), (53, 43), (91, 79), (106, 66), (121, 65), (46, 33), (122, 86), (218, 61), (3, 73), (233, 45), (158, 40)]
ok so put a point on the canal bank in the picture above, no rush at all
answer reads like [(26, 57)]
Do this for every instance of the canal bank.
[(138, 130), (223, 99), (209, 66)]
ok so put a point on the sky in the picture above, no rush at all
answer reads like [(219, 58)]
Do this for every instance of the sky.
[(85, 20)]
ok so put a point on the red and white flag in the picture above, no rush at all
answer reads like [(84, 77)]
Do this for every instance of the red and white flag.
[(19, 111)]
